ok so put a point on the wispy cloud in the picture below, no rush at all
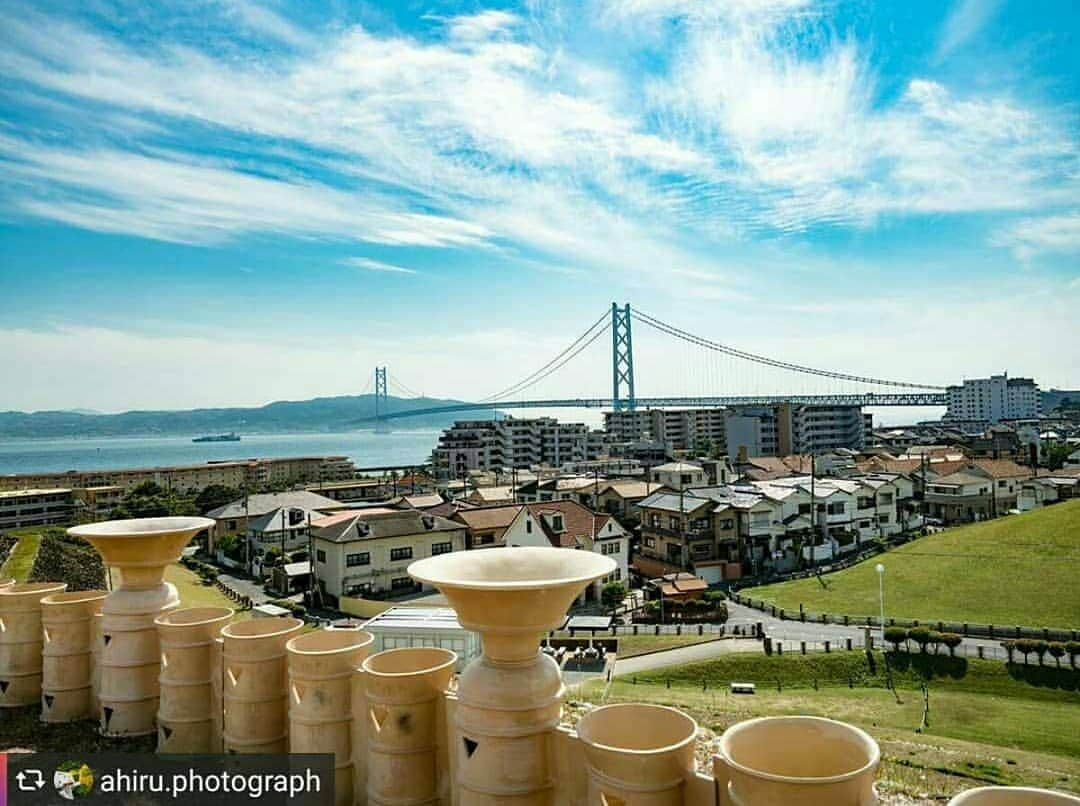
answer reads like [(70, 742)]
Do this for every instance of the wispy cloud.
[(965, 20), (759, 121), (1031, 237), (368, 264)]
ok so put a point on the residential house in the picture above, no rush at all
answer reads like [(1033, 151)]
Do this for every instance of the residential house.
[(621, 498), (492, 496), (367, 553), (233, 518), (562, 524), (960, 497), (1008, 478), (679, 475)]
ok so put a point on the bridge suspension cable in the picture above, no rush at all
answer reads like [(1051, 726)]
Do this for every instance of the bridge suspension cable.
[(581, 343), (700, 341), (401, 387)]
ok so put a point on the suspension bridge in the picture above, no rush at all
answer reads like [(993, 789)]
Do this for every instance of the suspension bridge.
[(714, 364)]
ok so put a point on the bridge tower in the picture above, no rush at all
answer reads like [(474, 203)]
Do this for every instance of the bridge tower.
[(382, 399), (622, 359)]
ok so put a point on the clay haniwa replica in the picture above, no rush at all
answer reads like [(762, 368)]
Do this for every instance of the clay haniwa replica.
[(400, 733)]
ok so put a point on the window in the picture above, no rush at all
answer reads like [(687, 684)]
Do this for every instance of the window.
[(358, 588), (759, 518), (837, 508), (441, 548), (804, 509), (232, 526), (557, 523), (650, 542), (403, 553), (867, 502), (528, 526), (673, 523), (400, 583), (885, 499), (727, 524), (1002, 483), (485, 539), (654, 520), (674, 552), (685, 479), (610, 547), (702, 550), (883, 517), (353, 560), (320, 555)]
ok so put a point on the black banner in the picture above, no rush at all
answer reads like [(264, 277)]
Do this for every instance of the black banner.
[(145, 779)]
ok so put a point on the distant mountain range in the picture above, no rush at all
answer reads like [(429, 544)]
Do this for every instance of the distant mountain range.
[(319, 414), (1052, 398)]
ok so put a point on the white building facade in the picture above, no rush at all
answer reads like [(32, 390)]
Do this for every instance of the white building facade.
[(994, 399)]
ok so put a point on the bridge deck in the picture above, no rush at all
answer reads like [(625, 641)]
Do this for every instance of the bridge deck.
[(869, 399)]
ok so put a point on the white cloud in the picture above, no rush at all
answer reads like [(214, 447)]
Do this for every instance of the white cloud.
[(1031, 237), (766, 122), (368, 264), (170, 197), (965, 20)]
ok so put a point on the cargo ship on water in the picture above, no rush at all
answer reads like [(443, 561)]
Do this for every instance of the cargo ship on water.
[(232, 436)]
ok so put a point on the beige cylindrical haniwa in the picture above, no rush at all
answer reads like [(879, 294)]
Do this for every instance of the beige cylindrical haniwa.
[(188, 704), (637, 755), (128, 652), (321, 668), (1013, 796), (796, 761), (255, 684), (21, 641), (509, 700), (406, 753), (67, 659)]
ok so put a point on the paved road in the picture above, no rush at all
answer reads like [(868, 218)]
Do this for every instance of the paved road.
[(685, 654), (246, 587), (795, 631)]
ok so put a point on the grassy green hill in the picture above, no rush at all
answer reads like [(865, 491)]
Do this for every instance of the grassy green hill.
[(1023, 569)]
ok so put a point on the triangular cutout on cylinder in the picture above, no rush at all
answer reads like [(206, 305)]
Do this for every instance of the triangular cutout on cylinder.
[(379, 713), (607, 799), (106, 715), (470, 746), (233, 675), (48, 699), (4, 686), (107, 638), (166, 731)]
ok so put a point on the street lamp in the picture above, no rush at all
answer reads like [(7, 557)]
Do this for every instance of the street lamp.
[(881, 598)]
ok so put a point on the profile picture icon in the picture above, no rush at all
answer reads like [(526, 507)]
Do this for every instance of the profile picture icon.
[(73, 779)]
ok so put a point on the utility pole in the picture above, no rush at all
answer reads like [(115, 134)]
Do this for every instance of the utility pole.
[(247, 539), (813, 513)]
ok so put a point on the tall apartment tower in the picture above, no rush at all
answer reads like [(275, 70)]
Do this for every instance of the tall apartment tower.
[(993, 399)]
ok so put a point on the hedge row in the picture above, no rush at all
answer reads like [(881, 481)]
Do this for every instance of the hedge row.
[(207, 573), (61, 558), (7, 543), (923, 637), (1036, 646)]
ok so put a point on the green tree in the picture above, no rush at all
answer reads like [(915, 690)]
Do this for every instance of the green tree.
[(895, 636), (612, 595), (1040, 648), (952, 640), (921, 636), (1057, 652), (214, 496), (934, 640)]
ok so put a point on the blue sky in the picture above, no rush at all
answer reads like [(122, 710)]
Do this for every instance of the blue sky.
[(231, 201)]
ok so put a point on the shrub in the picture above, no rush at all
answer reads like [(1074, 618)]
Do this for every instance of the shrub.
[(714, 597), (921, 636), (1010, 647), (720, 613), (895, 636), (612, 594)]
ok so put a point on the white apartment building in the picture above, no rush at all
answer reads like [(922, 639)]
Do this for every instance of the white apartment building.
[(36, 507), (770, 430), (514, 443), (993, 399)]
